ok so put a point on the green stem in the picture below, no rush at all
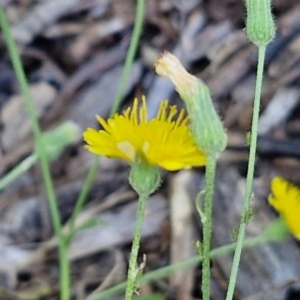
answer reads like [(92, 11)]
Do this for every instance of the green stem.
[(166, 271), (132, 275), (64, 265), (251, 164), (136, 34), (82, 197), (208, 199), (21, 168), (42, 156)]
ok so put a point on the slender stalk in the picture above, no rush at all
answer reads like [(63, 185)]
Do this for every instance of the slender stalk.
[(132, 275), (82, 197), (136, 34), (64, 266), (42, 156), (209, 191), (250, 172), (21, 168)]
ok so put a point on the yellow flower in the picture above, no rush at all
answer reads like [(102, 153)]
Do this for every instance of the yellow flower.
[(164, 141), (285, 198)]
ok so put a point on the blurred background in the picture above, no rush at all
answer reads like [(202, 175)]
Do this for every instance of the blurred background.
[(73, 53)]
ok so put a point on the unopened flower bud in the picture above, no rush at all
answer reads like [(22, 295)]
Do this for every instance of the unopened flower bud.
[(57, 140), (206, 125), (260, 25)]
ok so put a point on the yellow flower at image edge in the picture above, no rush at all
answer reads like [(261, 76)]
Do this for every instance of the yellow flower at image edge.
[(285, 198), (165, 141)]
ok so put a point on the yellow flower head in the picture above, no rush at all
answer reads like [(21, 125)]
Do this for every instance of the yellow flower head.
[(285, 198), (164, 141)]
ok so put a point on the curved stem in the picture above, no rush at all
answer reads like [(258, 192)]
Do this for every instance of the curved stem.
[(251, 164), (208, 199)]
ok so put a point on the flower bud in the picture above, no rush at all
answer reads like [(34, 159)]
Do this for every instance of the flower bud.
[(260, 25), (277, 230), (206, 125), (57, 140)]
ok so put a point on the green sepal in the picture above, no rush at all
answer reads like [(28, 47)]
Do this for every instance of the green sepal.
[(207, 128), (144, 178)]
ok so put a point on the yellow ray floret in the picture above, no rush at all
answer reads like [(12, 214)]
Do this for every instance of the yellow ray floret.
[(165, 141), (285, 198)]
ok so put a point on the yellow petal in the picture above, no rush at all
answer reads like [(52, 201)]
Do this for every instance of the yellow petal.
[(165, 141), (285, 198)]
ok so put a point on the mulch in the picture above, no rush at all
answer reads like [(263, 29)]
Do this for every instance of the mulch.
[(73, 53)]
